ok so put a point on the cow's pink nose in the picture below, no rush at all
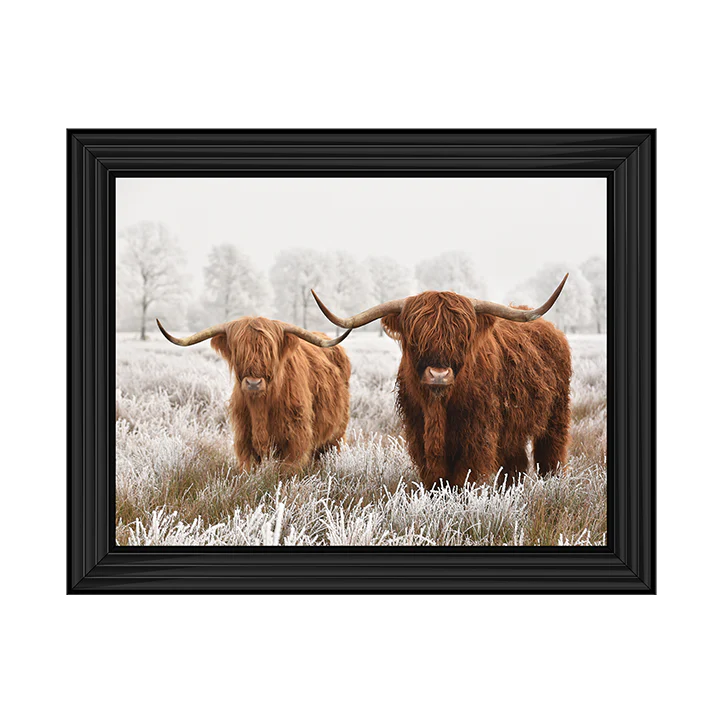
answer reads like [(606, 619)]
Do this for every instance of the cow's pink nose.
[(254, 384), (438, 376)]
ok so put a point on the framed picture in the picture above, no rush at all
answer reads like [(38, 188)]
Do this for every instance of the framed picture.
[(361, 361)]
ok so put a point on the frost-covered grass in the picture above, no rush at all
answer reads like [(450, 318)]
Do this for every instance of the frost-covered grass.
[(177, 483)]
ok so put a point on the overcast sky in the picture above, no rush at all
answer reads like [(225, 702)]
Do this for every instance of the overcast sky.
[(511, 226)]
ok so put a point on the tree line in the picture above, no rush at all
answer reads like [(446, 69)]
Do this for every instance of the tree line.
[(151, 281)]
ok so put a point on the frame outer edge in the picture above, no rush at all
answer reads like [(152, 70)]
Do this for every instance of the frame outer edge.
[(657, 416), (75, 568), (647, 361), (91, 239)]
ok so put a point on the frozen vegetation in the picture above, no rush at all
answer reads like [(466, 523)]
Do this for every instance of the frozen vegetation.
[(177, 482)]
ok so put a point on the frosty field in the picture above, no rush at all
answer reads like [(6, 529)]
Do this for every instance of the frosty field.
[(177, 483)]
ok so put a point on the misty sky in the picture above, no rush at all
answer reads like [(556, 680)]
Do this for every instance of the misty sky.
[(511, 226)]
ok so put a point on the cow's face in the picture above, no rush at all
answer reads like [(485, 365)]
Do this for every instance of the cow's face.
[(254, 349), (437, 330)]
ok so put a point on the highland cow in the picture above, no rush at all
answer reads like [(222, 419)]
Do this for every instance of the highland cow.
[(475, 385), (291, 388)]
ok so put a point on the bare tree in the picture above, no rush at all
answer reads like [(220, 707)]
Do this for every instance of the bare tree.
[(451, 271), (233, 286), (389, 280), (595, 271), (573, 310), (150, 269), (346, 283), (294, 272)]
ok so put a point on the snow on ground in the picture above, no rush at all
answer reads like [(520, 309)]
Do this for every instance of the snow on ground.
[(177, 484)]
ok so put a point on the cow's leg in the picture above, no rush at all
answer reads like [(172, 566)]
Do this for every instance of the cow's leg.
[(435, 443), (244, 452), (461, 471), (514, 463), (296, 451), (328, 446), (479, 468), (290, 467), (424, 431), (297, 456), (338, 434), (242, 435), (477, 462), (415, 447), (297, 445), (434, 474), (550, 448)]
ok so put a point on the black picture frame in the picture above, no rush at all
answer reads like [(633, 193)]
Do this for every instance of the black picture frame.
[(626, 158)]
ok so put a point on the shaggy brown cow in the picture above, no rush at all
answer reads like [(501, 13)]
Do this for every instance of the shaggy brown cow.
[(289, 397), (474, 384)]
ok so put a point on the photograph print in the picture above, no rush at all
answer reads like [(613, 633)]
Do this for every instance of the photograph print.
[(319, 361)]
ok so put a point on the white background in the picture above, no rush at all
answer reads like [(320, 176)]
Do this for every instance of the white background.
[(312, 64)]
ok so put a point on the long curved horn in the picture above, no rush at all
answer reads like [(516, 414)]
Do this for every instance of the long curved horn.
[(194, 338), (365, 317), (508, 312), (313, 338), (220, 328)]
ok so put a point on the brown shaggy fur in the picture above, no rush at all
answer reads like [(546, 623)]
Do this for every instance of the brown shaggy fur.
[(304, 409), (512, 385)]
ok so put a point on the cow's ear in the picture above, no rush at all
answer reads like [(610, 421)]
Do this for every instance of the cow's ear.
[(485, 322), (219, 344), (392, 326)]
